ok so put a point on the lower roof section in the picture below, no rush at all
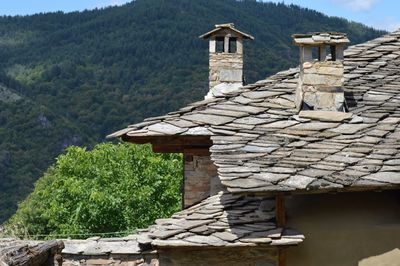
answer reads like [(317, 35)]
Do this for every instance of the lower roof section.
[(222, 220)]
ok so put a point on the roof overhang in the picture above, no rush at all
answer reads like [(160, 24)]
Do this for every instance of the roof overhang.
[(227, 26), (190, 145)]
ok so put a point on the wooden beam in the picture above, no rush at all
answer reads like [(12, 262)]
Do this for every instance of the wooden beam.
[(39, 254), (171, 140), (188, 150), (280, 215), (183, 183), (280, 211), (167, 148), (281, 257), (194, 145), (199, 151)]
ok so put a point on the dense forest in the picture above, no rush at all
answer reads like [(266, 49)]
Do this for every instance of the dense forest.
[(70, 79)]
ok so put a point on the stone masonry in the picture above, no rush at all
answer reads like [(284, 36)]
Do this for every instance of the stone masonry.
[(321, 85), (226, 72), (200, 179), (226, 59), (109, 260)]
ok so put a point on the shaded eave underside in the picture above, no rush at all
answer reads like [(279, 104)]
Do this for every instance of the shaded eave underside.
[(194, 145)]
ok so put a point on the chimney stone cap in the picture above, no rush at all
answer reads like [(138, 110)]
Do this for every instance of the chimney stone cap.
[(226, 26), (319, 38)]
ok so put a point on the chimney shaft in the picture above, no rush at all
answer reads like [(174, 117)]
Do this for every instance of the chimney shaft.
[(226, 59), (321, 78)]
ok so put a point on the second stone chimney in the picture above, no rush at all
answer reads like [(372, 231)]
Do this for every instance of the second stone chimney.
[(226, 59), (321, 78)]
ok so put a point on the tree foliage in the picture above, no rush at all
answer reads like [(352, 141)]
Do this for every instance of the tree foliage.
[(112, 188)]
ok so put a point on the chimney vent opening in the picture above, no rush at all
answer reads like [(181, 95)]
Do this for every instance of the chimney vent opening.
[(232, 45), (219, 44)]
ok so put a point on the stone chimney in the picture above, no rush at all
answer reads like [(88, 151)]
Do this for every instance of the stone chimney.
[(226, 59), (321, 78)]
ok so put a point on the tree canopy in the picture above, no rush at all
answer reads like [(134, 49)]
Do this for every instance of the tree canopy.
[(112, 188)]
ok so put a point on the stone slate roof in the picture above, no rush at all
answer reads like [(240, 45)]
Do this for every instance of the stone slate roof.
[(229, 26), (222, 220), (317, 38), (97, 246), (261, 144)]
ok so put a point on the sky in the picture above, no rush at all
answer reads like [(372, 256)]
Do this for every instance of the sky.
[(380, 14)]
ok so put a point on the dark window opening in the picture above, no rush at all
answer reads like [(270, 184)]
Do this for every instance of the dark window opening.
[(315, 53), (319, 53), (219, 44), (333, 52), (232, 45)]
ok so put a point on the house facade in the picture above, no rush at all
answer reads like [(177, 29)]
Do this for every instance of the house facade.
[(302, 168)]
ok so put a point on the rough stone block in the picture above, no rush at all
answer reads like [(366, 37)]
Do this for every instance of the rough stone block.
[(324, 80), (224, 88), (324, 101), (200, 173), (324, 70), (231, 75)]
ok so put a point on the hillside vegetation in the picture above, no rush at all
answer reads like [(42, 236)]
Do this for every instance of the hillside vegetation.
[(113, 188), (76, 77)]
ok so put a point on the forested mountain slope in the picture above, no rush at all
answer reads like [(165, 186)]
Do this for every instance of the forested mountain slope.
[(72, 78)]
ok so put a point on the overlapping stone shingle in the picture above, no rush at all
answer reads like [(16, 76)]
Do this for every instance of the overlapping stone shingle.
[(313, 150), (223, 220)]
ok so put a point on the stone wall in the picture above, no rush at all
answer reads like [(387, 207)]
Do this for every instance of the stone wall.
[(327, 73), (345, 228), (181, 257), (226, 72), (218, 256), (123, 251), (320, 85), (200, 179), (110, 260)]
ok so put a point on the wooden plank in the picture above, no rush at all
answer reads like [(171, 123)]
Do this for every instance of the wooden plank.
[(25, 255), (195, 145), (184, 158), (171, 140), (167, 148), (188, 150), (281, 257), (280, 222), (199, 151)]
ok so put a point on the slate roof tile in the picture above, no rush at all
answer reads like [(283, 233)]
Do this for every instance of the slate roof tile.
[(223, 220), (265, 132)]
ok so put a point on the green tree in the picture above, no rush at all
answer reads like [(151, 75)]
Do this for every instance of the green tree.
[(111, 188)]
